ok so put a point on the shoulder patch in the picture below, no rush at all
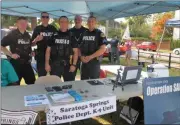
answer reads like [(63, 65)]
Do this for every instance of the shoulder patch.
[(102, 35)]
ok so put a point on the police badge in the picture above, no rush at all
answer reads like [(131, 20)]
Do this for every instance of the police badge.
[(102, 35)]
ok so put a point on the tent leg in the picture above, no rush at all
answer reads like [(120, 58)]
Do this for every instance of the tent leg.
[(160, 41)]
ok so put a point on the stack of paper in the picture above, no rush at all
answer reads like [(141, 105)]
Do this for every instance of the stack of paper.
[(62, 98)]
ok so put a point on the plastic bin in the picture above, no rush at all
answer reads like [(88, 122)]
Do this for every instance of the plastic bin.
[(160, 69)]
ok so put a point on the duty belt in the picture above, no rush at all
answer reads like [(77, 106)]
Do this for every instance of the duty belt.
[(61, 62)]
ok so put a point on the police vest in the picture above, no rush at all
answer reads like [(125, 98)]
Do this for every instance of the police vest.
[(89, 43), (47, 33), (61, 48), (22, 46)]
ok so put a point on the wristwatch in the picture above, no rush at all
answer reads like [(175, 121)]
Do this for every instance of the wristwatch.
[(73, 65)]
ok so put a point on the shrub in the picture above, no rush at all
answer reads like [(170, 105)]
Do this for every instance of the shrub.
[(175, 44)]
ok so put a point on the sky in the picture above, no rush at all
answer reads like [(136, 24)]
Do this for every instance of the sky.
[(120, 20)]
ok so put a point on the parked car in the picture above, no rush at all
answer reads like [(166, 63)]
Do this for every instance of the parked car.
[(149, 46), (176, 51)]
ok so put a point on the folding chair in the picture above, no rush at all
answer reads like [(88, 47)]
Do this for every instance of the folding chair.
[(48, 79)]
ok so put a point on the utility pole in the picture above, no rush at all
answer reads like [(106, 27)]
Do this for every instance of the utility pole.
[(107, 27)]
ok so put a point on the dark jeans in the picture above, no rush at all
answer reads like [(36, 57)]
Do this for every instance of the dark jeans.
[(23, 70), (41, 69), (90, 70), (61, 70)]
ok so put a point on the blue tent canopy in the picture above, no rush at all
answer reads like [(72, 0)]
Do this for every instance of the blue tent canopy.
[(102, 9), (173, 23)]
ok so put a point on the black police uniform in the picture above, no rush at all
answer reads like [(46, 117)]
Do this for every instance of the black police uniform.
[(114, 51), (47, 32), (90, 43), (77, 33), (20, 44), (61, 50)]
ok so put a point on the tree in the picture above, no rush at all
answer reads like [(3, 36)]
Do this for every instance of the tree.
[(137, 20), (102, 23), (7, 20), (159, 24), (55, 24), (117, 32), (138, 26)]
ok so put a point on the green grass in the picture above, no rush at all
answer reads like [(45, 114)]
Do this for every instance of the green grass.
[(172, 71)]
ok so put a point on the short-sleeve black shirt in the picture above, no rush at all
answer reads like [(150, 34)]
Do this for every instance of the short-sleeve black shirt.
[(64, 36), (62, 45), (19, 43), (77, 33), (97, 36), (47, 33)]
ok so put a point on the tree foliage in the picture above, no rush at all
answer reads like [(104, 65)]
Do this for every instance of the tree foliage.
[(117, 32), (159, 24), (138, 26), (7, 21)]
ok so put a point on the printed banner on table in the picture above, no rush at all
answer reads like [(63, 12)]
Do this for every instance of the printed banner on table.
[(82, 110), (162, 100), (18, 118)]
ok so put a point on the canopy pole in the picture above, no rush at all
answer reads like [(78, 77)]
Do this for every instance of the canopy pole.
[(160, 41)]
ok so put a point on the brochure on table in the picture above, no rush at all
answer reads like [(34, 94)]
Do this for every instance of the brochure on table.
[(60, 97), (35, 100), (162, 100)]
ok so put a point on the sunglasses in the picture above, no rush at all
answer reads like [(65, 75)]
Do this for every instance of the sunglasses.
[(47, 17)]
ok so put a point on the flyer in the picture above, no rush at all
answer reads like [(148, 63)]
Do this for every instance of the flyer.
[(35, 100), (18, 117)]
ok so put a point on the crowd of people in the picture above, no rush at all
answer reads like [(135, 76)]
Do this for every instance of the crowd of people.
[(59, 52)]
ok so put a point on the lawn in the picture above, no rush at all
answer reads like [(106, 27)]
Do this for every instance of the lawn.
[(172, 71)]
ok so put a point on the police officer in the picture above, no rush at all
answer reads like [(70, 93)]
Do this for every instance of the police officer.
[(41, 36), (20, 51), (63, 52), (114, 50), (77, 31), (92, 46)]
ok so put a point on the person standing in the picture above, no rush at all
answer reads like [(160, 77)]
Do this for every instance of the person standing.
[(128, 45), (8, 74), (20, 51), (115, 50), (77, 31), (92, 46), (63, 52), (41, 36)]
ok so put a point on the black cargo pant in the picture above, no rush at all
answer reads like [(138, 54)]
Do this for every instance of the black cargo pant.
[(41, 68), (40, 59), (61, 69), (24, 70), (78, 66), (90, 70)]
